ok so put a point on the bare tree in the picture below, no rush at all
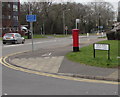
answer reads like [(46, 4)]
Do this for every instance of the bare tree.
[(50, 15)]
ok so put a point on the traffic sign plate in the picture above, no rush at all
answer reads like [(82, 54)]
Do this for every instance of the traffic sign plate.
[(31, 18)]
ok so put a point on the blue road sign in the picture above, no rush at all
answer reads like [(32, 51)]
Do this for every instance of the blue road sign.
[(100, 27), (31, 18)]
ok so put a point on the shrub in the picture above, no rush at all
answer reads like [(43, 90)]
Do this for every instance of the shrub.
[(110, 35), (117, 35)]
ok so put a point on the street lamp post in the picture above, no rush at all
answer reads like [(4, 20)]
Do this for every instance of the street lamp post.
[(100, 27), (85, 25), (31, 28), (77, 21), (64, 21)]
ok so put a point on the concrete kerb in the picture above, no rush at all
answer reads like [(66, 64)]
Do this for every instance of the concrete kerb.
[(91, 77), (61, 74)]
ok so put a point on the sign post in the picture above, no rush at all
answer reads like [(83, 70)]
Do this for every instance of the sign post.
[(66, 29), (31, 18), (77, 21), (101, 46)]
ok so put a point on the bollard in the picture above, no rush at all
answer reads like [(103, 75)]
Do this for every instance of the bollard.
[(97, 33), (102, 34), (75, 34), (87, 34)]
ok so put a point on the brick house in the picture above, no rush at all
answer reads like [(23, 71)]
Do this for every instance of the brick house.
[(10, 17)]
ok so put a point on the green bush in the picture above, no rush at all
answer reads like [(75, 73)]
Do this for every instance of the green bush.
[(113, 35), (110, 35), (117, 35)]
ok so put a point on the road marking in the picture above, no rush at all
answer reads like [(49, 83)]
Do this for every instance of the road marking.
[(44, 55), (12, 45), (3, 62), (29, 43), (50, 54), (43, 64), (5, 94), (47, 54)]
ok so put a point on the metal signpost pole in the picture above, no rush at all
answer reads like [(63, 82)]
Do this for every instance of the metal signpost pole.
[(76, 24), (43, 29), (31, 28), (63, 22), (109, 52), (77, 21), (31, 18), (94, 50), (66, 30)]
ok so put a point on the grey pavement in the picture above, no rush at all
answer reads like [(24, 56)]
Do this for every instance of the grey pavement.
[(54, 61)]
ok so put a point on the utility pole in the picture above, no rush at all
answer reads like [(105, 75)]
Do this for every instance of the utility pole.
[(31, 28), (99, 22), (43, 28), (63, 22)]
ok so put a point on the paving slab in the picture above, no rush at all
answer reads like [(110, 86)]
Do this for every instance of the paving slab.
[(45, 64)]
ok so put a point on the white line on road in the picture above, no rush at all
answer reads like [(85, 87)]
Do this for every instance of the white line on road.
[(44, 55), (5, 94), (29, 43), (47, 54), (12, 45), (50, 54)]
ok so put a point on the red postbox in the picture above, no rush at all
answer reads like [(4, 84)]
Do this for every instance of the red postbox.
[(75, 34)]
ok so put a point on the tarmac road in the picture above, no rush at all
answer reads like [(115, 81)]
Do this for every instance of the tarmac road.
[(20, 83)]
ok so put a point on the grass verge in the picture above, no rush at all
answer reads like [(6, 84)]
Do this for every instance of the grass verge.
[(36, 36), (61, 36), (85, 56)]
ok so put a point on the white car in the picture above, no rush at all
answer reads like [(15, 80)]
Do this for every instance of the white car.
[(13, 38)]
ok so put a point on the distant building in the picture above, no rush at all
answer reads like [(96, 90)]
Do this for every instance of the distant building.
[(10, 16)]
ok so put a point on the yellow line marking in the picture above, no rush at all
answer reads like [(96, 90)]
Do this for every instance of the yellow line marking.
[(3, 62)]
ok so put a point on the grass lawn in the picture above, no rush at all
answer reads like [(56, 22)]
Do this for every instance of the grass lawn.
[(55, 36), (39, 36), (45, 36), (35, 36), (85, 56)]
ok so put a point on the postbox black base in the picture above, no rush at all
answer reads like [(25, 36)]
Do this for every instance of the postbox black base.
[(75, 49)]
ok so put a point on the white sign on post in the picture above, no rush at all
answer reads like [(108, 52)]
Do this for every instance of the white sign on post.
[(31, 18), (77, 20), (101, 46)]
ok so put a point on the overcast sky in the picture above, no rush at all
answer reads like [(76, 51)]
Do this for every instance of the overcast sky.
[(113, 2)]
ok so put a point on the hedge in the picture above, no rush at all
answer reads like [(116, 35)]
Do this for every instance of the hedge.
[(113, 35)]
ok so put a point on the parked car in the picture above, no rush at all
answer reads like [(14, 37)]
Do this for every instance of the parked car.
[(13, 38)]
